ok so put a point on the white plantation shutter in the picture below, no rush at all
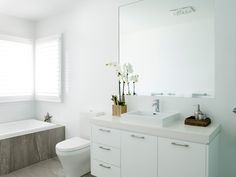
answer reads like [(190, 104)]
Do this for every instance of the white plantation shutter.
[(48, 69), (16, 69)]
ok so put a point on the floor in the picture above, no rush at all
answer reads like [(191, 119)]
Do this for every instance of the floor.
[(48, 168)]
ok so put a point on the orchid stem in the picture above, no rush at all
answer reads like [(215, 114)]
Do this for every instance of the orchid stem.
[(119, 92)]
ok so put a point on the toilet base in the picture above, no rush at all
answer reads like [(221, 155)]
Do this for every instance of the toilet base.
[(76, 163)]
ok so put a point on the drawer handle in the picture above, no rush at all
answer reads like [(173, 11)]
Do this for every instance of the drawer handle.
[(104, 166), (182, 145), (139, 137), (107, 149), (104, 130)]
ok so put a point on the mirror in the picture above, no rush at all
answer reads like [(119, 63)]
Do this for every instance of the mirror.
[(171, 45)]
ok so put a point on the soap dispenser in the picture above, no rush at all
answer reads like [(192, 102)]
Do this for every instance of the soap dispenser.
[(198, 114)]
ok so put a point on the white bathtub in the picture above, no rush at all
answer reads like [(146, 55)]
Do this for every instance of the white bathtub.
[(23, 127)]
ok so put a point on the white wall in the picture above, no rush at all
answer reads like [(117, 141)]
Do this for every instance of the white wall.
[(91, 41), (16, 26), (21, 28)]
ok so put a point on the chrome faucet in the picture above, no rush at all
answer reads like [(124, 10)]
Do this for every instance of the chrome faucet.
[(234, 110), (156, 105)]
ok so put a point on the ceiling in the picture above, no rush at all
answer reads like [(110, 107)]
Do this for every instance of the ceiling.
[(34, 9)]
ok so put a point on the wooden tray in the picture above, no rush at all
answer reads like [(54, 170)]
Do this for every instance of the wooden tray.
[(194, 122)]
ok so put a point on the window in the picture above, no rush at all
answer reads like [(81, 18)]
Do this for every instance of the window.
[(16, 69), (48, 69), (18, 80)]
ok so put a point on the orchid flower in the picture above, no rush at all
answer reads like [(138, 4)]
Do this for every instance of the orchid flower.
[(116, 67), (134, 78), (124, 78), (128, 68), (121, 77)]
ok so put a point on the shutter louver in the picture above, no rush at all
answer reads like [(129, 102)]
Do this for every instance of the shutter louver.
[(48, 69), (16, 69)]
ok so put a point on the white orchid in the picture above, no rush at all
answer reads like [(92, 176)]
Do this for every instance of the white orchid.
[(134, 78), (112, 64), (128, 68), (121, 77), (115, 66), (124, 78)]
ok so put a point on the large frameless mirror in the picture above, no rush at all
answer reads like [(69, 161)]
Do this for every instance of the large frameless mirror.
[(171, 45)]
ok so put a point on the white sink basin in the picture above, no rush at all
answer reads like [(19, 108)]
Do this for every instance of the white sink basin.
[(159, 118)]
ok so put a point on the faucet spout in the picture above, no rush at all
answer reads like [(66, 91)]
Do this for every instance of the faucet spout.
[(156, 105)]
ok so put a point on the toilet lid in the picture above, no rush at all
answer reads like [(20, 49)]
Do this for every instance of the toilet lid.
[(72, 144)]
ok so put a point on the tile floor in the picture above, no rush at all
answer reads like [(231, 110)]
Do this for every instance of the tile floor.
[(48, 168)]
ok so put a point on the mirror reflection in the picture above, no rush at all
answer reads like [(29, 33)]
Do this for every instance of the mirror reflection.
[(170, 43)]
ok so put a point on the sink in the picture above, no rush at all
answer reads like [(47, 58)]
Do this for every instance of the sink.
[(158, 118)]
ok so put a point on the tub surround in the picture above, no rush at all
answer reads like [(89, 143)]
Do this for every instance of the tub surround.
[(29, 146), (177, 129)]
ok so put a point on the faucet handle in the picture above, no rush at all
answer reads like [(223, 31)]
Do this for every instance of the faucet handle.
[(154, 104), (156, 101)]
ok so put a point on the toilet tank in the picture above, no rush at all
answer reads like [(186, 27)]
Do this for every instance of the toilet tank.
[(85, 126)]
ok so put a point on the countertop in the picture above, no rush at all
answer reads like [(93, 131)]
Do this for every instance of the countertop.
[(177, 130)]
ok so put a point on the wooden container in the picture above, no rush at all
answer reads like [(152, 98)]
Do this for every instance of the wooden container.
[(194, 122), (117, 110)]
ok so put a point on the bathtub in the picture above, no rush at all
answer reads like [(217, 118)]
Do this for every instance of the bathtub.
[(25, 142), (23, 127)]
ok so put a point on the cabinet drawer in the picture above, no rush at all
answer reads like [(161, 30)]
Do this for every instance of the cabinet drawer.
[(106, 154), (106, 136), (183, 158), (101, 169)]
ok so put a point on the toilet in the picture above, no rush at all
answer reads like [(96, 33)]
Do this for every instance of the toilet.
[(74, 153)]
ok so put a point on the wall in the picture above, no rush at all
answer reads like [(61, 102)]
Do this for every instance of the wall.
[(16, 26), (90, 33), (90, 41), (21, 28)]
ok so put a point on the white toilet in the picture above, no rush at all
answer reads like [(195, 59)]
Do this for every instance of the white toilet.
[(74, 153)]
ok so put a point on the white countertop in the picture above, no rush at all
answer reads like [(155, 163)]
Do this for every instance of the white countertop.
[(177, 130)]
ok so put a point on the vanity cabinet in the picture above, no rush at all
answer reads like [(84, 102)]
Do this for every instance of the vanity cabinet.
[(138, 155), (124, 153), (180, 158)]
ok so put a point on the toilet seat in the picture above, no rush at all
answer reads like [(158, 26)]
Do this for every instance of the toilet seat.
[(72, 144)]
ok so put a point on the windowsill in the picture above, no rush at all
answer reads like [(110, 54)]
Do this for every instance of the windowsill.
[(53, 99), (12, 99), (16, 99)]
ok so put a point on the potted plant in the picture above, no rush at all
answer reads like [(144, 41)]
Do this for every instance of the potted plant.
[(123, 75)]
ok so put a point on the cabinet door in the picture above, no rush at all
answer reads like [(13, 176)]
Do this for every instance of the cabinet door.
[(181, 159), (138, 155)]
